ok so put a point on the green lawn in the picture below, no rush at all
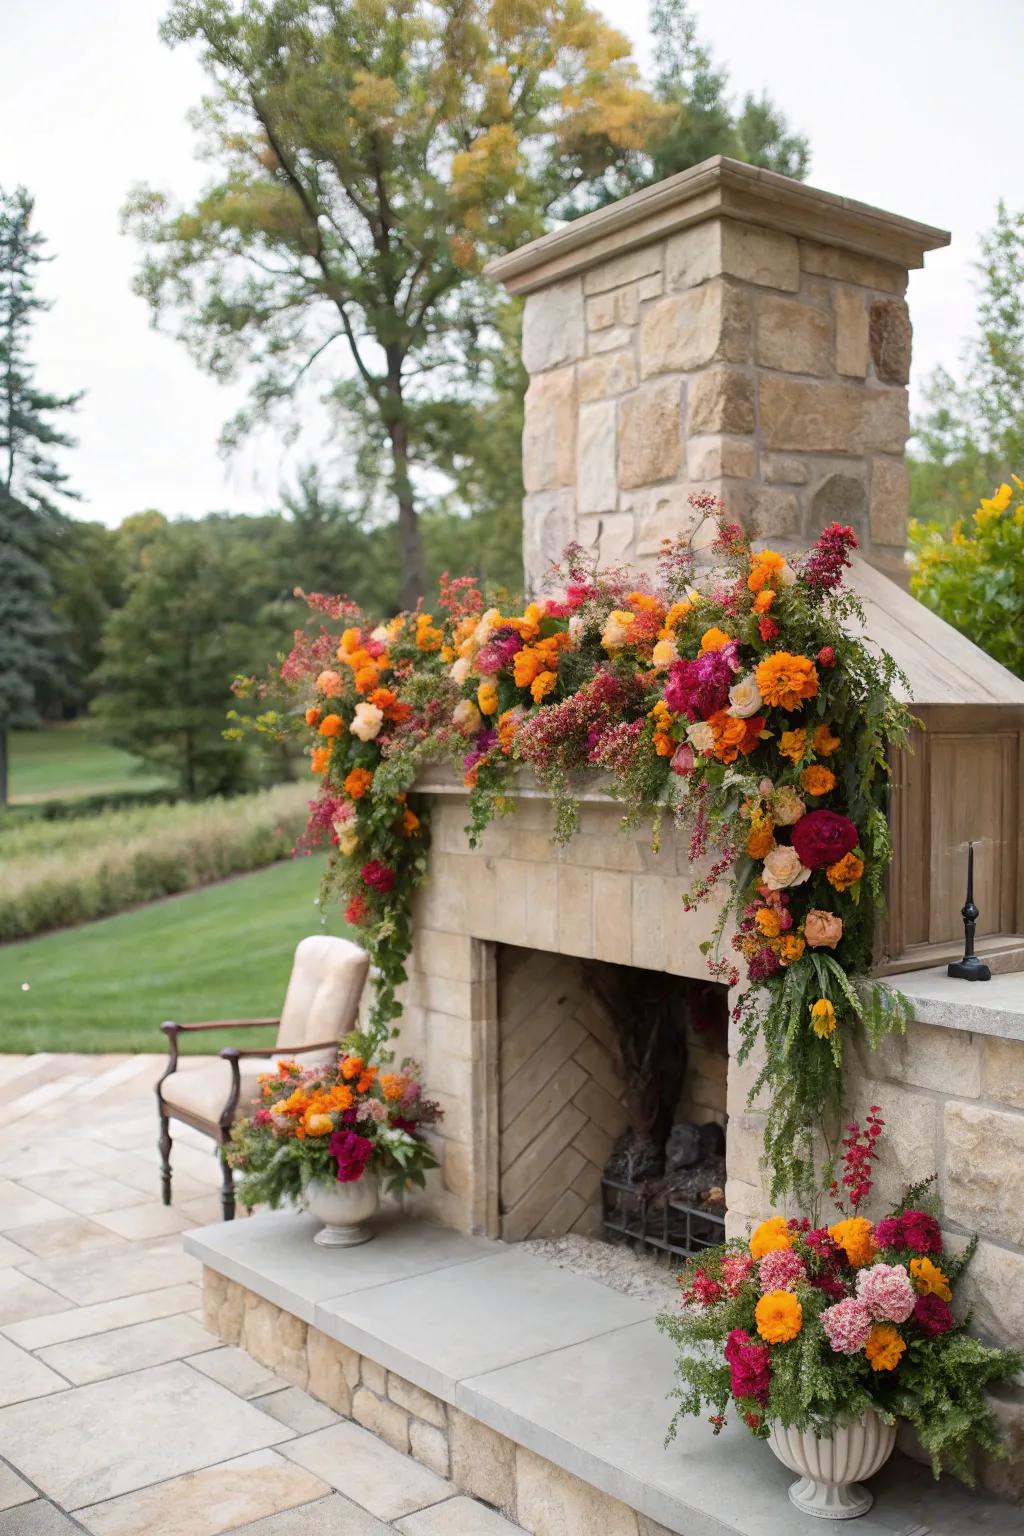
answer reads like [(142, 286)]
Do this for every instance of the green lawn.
[(223, 952), (64, 761)]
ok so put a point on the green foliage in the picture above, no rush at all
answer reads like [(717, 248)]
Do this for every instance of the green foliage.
[(973, 574), (50, 876)]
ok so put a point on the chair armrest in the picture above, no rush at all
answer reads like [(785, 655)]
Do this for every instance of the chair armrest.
[(233, 1054), (221, 1024)]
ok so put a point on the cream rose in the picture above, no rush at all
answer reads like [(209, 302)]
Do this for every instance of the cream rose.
[(700, 736), (664, 654), (367, 721), (460, 670), (466, 717), (782, 868), (744, 698), (822, 930), (381, 633), (486, 623), (616, 630), (787, 806)]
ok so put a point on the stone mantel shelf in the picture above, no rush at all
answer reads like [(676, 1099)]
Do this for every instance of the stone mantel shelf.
[(444, 779), (558, 1363), (993, 1007), (716, 188)]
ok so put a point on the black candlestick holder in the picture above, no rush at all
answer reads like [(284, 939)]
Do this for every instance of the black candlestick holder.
[(970, 968)]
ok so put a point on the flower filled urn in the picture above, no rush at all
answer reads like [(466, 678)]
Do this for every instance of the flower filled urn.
[(832, 1470), (344, 1208)]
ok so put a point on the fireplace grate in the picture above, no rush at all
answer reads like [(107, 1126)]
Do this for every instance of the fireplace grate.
[(660, 1220)]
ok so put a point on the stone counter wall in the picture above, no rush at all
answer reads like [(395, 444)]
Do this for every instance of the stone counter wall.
[(767, 369)]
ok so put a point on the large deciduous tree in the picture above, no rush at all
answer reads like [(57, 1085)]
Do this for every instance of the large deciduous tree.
[(371, 154), (32, 486)]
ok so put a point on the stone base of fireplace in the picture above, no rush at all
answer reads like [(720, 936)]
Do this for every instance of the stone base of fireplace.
[(550, 1389)]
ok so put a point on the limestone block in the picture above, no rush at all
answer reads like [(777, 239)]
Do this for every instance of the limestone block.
[(551, 1502), (610, 373), (662, 512), (549, 431), (984, 1174), (575, 915), (612, 340), (553, 330), (276, 1339), (744, 1146), (374, 1376), (890, 336), (992, 1290), (688, 330), (927, 1056), (840, 498), (650, 435), (711, 458), (613, 907), (890, 501), (611, 537), (223, 1306), (722, 401), (724, 246), (619, 306), (1003, 1070), (457, 1169), (429, 1446), (909, 1149), (851, 317), (630, 267), (549, 523), (333, 1371), (772, 512), (852, 267), (384, 1418), (482, 1461), (745, 1206), (792, 336), (1005, 1478), (832, 418), (596, 488), (776, 470)]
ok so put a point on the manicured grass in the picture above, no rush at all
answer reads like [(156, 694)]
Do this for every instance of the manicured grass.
[(65, 761), (223, 952)]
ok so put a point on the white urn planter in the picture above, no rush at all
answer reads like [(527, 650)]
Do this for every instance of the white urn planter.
[(831, 1470), (343, 1208)]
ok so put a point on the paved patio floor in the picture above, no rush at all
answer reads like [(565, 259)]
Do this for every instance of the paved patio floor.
[(119, 1413)]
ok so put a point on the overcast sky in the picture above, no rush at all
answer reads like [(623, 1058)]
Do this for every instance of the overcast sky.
[(912, 105)]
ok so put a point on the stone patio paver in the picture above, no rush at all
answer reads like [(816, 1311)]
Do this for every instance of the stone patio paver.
[(120, 1414)]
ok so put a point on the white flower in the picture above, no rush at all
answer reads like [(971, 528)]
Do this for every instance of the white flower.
[(785, 575), (700, 736), (466, 717), (460, 670), (381, 633), (744, 698), (367, 721), (782, 868)]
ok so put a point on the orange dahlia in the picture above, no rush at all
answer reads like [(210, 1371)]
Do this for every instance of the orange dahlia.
[(786, 681), (779, 1317)]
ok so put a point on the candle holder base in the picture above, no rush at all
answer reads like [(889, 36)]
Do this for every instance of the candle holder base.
[(970, 968)]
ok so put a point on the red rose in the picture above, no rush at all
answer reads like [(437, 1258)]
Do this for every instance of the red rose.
[(826, 656), (821, 838)]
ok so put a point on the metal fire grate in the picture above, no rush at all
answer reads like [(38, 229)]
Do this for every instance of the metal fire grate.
[(662, 1221)]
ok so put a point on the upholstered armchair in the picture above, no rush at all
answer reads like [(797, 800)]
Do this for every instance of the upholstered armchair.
[(320, 1006)]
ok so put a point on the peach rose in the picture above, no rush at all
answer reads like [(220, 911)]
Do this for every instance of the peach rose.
[(782, 868), (822, 930), (787, 806)]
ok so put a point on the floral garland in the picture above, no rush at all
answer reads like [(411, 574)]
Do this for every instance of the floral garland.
[(743, 710)]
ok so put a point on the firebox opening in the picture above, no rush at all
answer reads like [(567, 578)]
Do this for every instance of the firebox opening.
[(612, 1102)]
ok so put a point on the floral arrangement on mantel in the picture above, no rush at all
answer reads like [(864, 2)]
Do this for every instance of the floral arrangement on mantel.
[(811, 1327), (332, 1123), (740, 707)]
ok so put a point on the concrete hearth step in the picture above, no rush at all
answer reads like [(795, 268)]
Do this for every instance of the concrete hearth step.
[(559, 1364)]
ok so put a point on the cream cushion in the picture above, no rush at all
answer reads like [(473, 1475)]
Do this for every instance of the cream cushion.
[(322, 1003)]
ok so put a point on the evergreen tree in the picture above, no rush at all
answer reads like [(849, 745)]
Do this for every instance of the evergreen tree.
[(31, 486)]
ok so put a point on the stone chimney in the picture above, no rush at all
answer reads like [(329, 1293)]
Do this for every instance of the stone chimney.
[(728, 330)]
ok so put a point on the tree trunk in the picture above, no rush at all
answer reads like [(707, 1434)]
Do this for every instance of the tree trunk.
[(410, 544), (3, 765)]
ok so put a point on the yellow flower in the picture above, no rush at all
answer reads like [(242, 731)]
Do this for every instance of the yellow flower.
[(770, 1235), (318, 1125), (994, 506), (929, 1279), (823, 1018), (487, 698), (767, 922), (663, 655), (779, 1317), (884, 1347), (854, 1237), (713, 639)]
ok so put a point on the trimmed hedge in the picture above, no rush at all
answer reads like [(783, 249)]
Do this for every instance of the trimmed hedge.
[(53, 874)]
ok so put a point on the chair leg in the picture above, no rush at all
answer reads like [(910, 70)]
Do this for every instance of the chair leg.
[(227, 1188), (164, 1145)]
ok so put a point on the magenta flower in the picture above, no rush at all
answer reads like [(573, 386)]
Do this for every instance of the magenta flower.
[(352, 1153), (698, 688), (887, 1292), (933, 1315), (780, 1270), (847, 1325), (750, 1366)]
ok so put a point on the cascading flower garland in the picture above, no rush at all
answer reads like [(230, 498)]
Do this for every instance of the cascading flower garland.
[(742, 708)]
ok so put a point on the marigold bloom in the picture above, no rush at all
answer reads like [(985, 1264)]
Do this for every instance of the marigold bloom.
[(366, 679), (823, 1018), (779, 1317), (392, 1086), (428, 636), (816, 780), (317, 1124), (761, 840), (791, 948), (793, 744), (786, 681), (823, 741), (763, 567), (675, 616), (357, 782), (713, 639), (313, 716), (767, 923), (351, 1066), (663, 655), (487, 698), (319, 758), (774, 1233), (410, 823), (764, 600), (884, 1347), (855, 1238), (929, 1279), (542, 685), (846, 872), (331, 726)]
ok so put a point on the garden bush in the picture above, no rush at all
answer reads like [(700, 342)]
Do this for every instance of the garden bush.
[(53, 874)]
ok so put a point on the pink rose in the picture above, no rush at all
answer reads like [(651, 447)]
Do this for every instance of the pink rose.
[(822, 930), (682, 759)]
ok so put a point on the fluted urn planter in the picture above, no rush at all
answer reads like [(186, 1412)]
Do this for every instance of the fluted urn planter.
[(831, 1471), (343, 1208)]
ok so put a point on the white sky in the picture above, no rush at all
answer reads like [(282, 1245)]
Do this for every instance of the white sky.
[(912, 105)]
